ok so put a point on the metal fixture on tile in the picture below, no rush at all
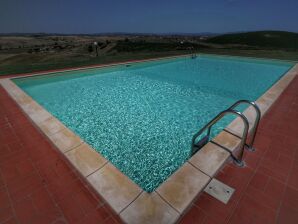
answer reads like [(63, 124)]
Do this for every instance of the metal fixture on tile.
[(219, 190), (256, 122), (237, 159)]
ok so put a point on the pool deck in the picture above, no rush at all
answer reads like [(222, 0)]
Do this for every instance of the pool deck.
[(267, 188), (34, 174), (37, 184)]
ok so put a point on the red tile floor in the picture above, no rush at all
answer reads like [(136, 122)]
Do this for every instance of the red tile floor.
[(267, 188), (38, 186)]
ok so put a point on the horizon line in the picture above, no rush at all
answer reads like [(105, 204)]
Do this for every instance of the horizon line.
[(137, 33)]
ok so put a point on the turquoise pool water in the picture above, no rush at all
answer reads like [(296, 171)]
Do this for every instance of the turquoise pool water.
[(142, 117)]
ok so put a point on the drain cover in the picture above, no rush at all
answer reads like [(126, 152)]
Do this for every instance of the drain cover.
[(219, 190)]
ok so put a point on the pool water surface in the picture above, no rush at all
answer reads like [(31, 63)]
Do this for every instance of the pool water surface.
[(142, 117)]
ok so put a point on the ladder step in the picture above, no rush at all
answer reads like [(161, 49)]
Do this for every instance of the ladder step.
[(201, 143)]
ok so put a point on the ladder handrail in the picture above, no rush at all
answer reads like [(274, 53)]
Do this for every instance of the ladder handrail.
[(192, 52), (217, 118), (257, 120)]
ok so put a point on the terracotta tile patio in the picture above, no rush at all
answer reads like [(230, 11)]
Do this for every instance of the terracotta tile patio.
[(267, 188), (37, 185)]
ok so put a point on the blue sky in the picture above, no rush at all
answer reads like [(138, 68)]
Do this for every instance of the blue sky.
[(147, 16)]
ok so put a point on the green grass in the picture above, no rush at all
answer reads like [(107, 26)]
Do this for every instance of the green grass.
[(261, 39), (265, 44), (141, 46), (124, 56), (269, 54), (18, 68)]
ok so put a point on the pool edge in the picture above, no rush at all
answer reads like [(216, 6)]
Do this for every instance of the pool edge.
[(169, 201)]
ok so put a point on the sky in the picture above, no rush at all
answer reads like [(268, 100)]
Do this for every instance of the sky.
[(147, 16)]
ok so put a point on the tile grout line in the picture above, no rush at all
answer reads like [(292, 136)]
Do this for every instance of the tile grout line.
[(168, 203), (10, 201), (240, 199), (33, 163), (70, 149), (199, 169), (50, 135), (263, 155), (130, 203), (238, 202), (286, 186), (50, 195), (44, 136), (106, 163)]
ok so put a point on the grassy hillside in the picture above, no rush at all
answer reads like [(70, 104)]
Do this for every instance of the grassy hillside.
[(23, 54), (262, 39), (139, 46)]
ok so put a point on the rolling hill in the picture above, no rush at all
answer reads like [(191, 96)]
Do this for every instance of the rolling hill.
[(263, 39)]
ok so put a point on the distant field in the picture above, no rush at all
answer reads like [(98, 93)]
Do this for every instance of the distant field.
[(24, 54)]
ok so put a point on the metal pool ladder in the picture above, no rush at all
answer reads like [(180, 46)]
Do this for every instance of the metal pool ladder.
[(192, 53), (237, 159)]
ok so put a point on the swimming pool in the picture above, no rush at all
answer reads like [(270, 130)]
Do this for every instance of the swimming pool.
[(142, 117)]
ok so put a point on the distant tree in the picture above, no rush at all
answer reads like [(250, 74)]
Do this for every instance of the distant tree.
[(100, 43), (102, 46), (57, 46), (90, 48)]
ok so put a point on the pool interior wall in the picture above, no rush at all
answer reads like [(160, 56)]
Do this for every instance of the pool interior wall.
[(142, 117)]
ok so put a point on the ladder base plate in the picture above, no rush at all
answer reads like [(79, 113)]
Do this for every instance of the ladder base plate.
[(219, 190)]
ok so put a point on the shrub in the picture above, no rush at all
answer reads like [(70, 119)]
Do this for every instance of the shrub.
[(90, 48)]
